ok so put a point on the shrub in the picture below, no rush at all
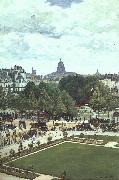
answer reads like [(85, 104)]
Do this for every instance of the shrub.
[(95, 136), (49, 139), (38, 143), (12, 152), (30, 146), (81, 135)]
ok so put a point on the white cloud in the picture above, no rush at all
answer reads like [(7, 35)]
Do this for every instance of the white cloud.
[(85, 36)]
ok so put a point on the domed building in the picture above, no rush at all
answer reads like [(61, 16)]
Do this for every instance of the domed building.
[(59, 74)]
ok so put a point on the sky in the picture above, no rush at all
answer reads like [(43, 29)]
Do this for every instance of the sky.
[(37, 33)]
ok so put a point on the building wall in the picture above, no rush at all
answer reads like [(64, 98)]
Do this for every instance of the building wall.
[(108, 82), (12, 79)]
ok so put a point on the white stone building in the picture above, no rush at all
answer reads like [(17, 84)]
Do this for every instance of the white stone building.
[(108, 82), (13, 79)]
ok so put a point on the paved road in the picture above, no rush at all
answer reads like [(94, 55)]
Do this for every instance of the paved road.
[(43, 139)]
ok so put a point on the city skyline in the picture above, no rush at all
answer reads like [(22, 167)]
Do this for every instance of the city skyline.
[(85, 34), (32, 70)]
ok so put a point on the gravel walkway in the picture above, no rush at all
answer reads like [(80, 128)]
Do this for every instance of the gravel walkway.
[(9, 177)]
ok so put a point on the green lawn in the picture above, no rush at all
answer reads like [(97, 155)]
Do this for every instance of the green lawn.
[(81, 162)]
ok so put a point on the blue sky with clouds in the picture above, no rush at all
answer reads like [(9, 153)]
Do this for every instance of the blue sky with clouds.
[(36, 33)]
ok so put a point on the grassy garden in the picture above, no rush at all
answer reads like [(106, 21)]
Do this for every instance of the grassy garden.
[(80, 162)]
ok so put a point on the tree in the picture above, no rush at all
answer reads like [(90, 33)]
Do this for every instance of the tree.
[(97, 101), (3, 100), (79, 87), (30, 87), (57, 106), (32, 101), (11, 97), (26, 101), (44, 101), (23, 104), (101, 98), (69, 104), (46, 98), (115, 103)]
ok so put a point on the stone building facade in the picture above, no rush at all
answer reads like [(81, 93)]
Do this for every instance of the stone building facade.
[(13, 79), (110, 80)]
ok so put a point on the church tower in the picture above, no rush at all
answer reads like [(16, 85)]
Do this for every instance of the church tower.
[(33, 71), (61, 67)]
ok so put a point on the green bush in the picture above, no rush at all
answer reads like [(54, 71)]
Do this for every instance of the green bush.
[(38, 143), (81, 135), (30, 146)]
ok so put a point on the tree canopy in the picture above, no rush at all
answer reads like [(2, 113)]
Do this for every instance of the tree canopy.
[(89, 90), (79, 87), (43, 98)]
